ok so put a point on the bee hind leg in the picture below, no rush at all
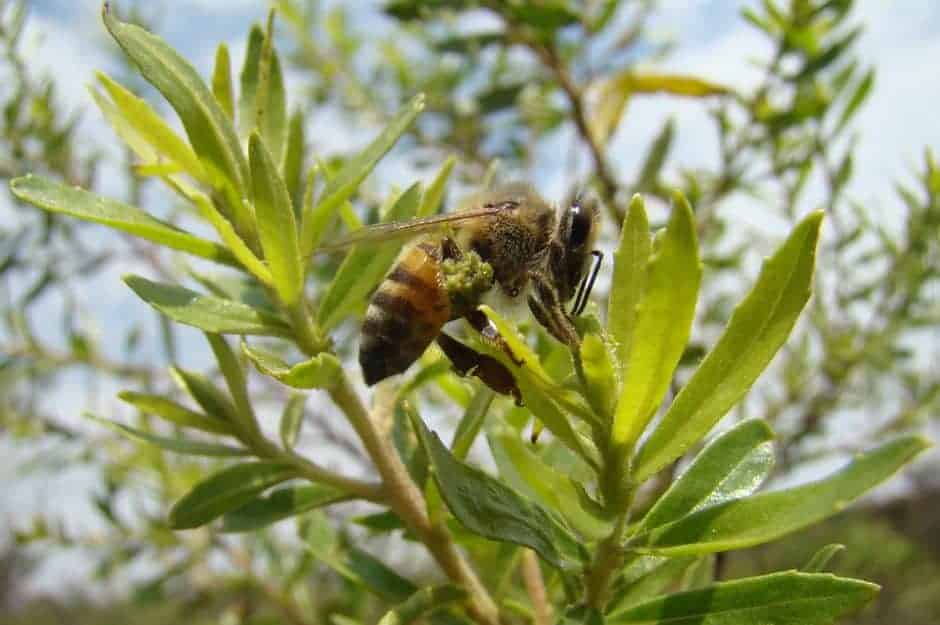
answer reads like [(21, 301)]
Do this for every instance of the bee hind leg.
[(468, 361)]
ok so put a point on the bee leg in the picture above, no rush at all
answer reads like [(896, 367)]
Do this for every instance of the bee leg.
[(548, 310), (468, 361), (482, 324)]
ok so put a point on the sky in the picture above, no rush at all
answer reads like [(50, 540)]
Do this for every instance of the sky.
[(901, 39)]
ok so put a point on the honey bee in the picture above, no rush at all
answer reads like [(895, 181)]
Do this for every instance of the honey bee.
[(508, 239)]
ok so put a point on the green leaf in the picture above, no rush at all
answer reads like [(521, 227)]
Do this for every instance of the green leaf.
[(646, 577), (205, 393), (541, 395), (673, 84), (226, 490), (222, 81), (280, 504), (472, 421), (206, 312), (858, 97), (174, 413), (764, 517), (820, 559), (248, 82), (649, 174), (487, 507), (344, 184), (75, 202), (664, 321), (354, 564), (631, 261), (272, 111), (175, 444), (601, 383), (421, 603), (292, 419), (321, 371), (209, 129), (277, 228), (788, 597), (734, 465), (758, 327), (434, 194), (547, 485), (234, 375), (294, 162), (135, 120), (364, 266)]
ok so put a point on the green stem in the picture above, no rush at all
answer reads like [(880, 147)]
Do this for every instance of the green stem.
[(399, 491)]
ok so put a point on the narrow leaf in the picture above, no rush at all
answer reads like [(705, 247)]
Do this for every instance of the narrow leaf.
[(174, 444), (858, 97), (209, 129), (209, 397), (355, 565), (75, 202), (291, 420), (364, 266), (421, 603), (675, 84), (548, 486), (434, 194), (206, 312), (294, 162), (234, 375), (655, 158), (757, 328), (487, 507), (764, 517), (227, 490), (820, 559), (663, 321), (321, 371), (222, 81), (601, 383), (345, 183), (271, 101), (149, 127), (277, 228), (647, 577), (734, 465), (281, 504), (631, 261), (248, 82), (788, 597), (174, 413)]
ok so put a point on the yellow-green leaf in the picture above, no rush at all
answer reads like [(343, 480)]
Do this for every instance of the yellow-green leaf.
[(76, 202), (277, 228), (222, 81), (321, 371), (663, 324), (631, 261), (757, 328)]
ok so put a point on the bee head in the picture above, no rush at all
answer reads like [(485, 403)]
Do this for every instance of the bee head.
[(576, 234)]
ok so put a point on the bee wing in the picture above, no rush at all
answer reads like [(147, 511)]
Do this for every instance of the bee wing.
[(407, 228)]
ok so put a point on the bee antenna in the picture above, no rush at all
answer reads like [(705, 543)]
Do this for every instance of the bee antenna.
[(587, 285)]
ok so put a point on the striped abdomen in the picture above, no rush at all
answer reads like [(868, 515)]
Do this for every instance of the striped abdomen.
[(406, 313)]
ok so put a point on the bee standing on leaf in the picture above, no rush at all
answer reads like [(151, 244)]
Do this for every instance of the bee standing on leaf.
[(508, 238)]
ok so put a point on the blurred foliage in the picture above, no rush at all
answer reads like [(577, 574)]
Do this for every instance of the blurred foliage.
[(502, 82)]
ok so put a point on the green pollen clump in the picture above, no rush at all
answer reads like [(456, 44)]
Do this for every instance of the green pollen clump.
[(466, 280)]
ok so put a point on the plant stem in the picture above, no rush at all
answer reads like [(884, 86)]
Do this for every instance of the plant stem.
[(535, 587), (399, 491)]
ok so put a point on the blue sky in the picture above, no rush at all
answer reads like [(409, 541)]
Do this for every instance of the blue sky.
[(902, 40)]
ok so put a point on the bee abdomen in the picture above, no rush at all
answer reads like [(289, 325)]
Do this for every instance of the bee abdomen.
[(405, 314)]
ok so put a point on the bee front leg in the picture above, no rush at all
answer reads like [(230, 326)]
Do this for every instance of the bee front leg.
[(468, 361), (549, 311), (490, 333)]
